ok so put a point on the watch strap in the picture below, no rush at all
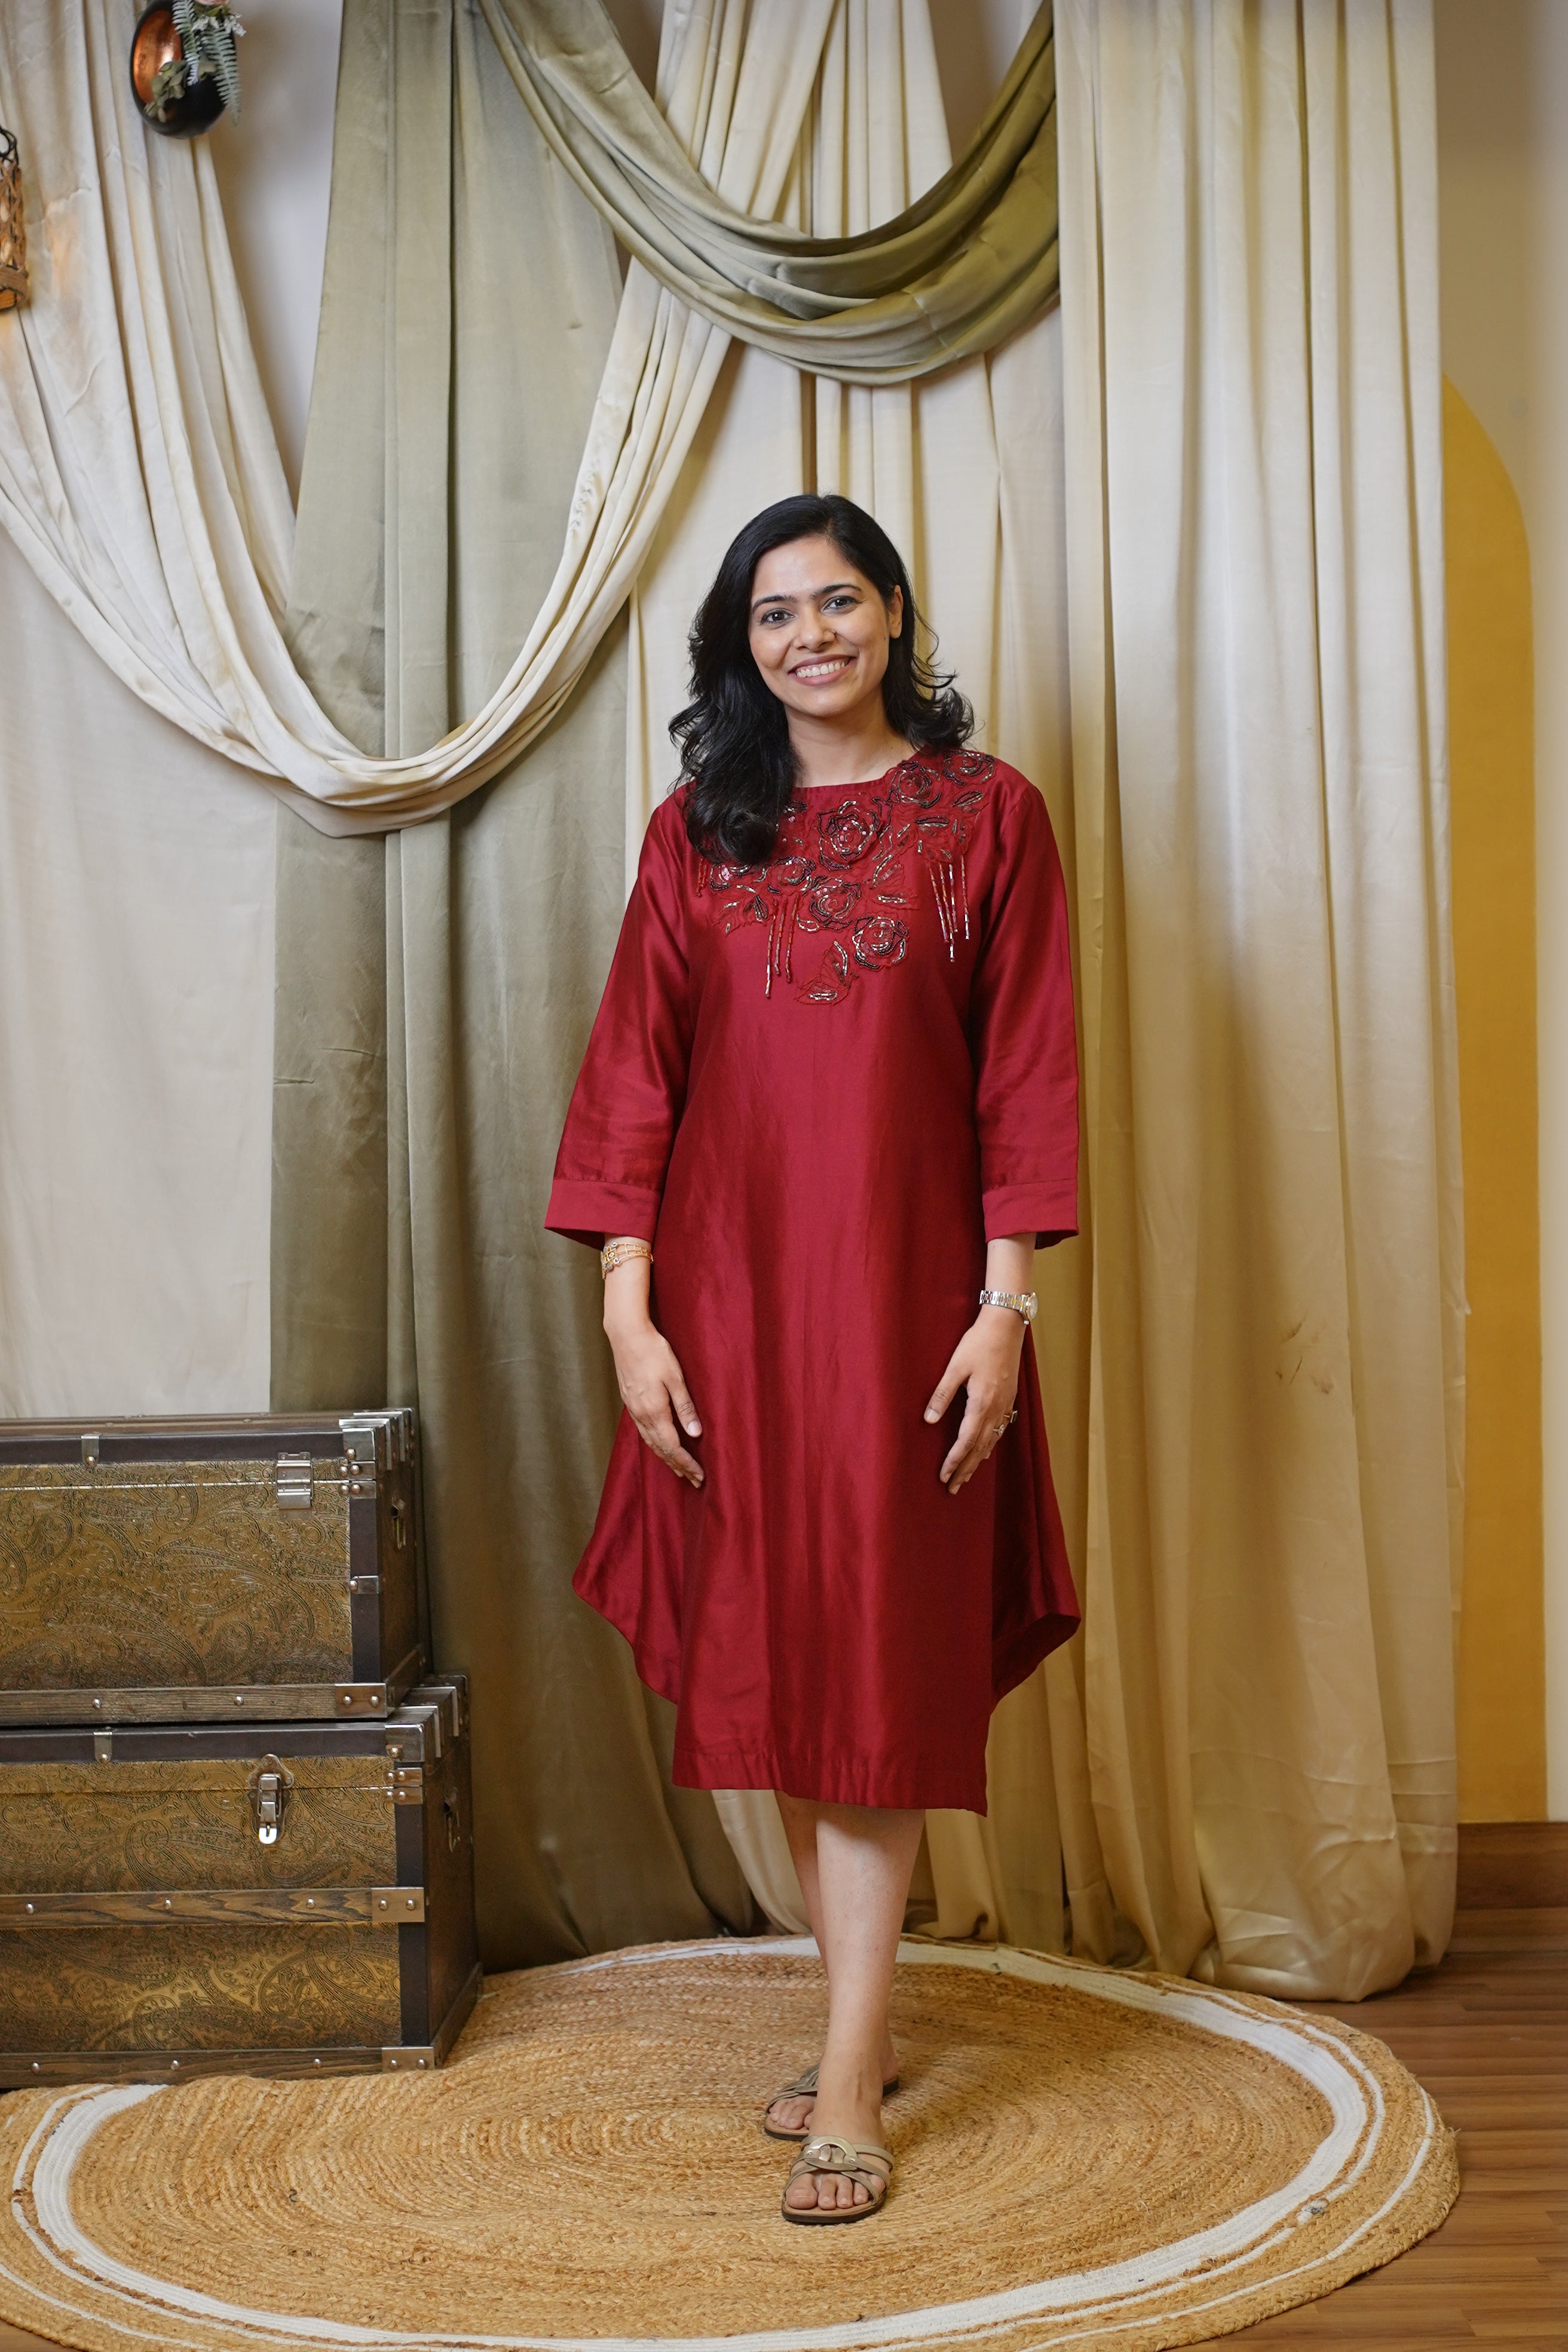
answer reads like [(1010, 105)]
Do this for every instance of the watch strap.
[(1022, 1302)]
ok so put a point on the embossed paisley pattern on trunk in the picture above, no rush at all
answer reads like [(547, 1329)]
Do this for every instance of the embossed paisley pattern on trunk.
[(843, 870), (166, 1574), (199, 1987), (113, 1827)]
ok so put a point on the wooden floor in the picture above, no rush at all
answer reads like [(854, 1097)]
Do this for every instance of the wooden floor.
[(1487, 2035)]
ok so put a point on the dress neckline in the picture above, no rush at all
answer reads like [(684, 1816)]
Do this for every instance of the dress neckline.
[(860, 783)]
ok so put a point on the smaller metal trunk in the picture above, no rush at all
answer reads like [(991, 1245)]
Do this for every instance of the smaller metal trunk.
[(197, 1570), (277, 1898)]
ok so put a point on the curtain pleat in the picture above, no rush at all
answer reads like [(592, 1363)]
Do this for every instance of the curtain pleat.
[(434, 993)]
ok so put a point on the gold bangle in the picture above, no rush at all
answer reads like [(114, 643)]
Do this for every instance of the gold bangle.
[(614, 1253)]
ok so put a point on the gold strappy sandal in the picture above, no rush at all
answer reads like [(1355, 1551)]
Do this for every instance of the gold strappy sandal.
[(871, 2166), (802, 2088)]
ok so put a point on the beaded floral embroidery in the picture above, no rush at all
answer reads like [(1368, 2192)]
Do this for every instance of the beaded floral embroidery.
[(842, 870)]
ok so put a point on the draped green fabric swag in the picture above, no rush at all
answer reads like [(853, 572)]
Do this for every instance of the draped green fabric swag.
[(952, 275), (435, 990)]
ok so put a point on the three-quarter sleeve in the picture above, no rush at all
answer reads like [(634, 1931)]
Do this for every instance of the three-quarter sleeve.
[(1022, 1035), (620, 1125)]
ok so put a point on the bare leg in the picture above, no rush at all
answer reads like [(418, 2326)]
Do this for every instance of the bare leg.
[(800, 1819), (854, 1862)]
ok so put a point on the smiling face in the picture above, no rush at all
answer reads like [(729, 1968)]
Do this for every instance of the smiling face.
[(819, 631)]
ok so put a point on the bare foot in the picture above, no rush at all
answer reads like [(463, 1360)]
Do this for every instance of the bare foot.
[(795, 2115), (847, 2107)]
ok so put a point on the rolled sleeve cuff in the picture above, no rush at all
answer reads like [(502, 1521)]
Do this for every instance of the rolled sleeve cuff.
[(591, 1212), (1048, 1211)]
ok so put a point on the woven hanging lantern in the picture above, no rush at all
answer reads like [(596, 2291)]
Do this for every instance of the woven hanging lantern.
[(13, 234)]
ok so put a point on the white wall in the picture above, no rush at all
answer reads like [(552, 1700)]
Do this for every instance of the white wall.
[(1502, 140)]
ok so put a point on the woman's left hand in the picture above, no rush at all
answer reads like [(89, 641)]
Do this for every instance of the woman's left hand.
[(985, 1364)]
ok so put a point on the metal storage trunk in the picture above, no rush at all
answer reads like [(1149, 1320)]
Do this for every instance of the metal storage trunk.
[(278, 1898), (187, 1570)]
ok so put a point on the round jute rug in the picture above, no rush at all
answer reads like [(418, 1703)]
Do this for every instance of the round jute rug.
[(1084, 2158)]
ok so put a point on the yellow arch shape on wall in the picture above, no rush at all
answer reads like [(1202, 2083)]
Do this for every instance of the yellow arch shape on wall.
[(1492, 732)]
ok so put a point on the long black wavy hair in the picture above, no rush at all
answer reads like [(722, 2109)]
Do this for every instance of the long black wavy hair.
[(733, 735)]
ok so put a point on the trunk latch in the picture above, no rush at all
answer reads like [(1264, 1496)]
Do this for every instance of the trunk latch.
[(295, 1475), (269, 1786)]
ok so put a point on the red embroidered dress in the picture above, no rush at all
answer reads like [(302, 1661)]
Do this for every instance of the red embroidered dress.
[(817, 1088)]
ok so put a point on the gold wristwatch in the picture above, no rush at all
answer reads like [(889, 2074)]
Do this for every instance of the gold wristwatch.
[(1022, 1302)]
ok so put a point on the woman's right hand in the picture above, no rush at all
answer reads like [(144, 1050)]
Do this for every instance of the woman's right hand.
[(652, 1387)]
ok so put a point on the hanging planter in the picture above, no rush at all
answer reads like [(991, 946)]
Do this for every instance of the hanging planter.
[(13, 236), (184, 71)]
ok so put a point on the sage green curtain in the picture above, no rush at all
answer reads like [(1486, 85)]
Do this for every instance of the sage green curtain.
[(952, 275), (436, 989)]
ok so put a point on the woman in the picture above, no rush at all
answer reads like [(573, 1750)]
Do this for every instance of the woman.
[(828, 1113)]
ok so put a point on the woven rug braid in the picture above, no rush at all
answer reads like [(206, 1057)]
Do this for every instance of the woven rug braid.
[(1084, 2158)]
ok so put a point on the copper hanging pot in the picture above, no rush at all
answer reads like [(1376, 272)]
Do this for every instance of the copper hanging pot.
[(156, 44)]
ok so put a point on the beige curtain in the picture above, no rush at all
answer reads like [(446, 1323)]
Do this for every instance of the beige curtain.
[(136, 1042), (139, 474), (1274, 1354), (965, 472), (435, 991)]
